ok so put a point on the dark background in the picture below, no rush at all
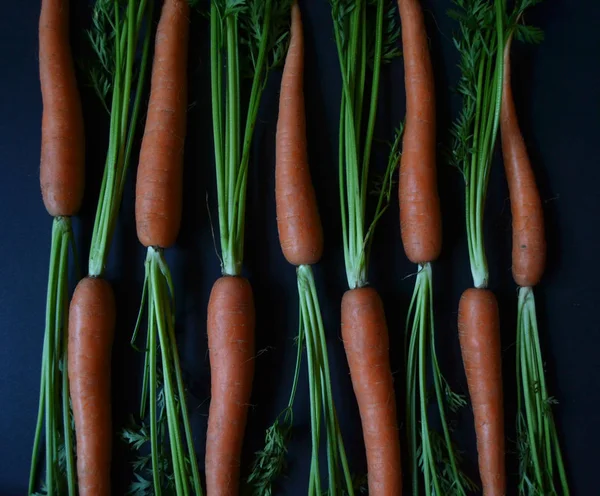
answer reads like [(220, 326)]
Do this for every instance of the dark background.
[(556, 86)]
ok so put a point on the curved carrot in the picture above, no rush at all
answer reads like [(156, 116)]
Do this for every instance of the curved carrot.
[(365, 336), (230, 329), (91, 331), (529, 242), (159, 176), (420, 218), (479, 333), (62, 158), (298, 221)]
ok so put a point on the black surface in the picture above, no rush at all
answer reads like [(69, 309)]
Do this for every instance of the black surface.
[(556, 86)]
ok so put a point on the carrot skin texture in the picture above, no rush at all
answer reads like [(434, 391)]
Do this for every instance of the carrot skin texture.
[(62, 172), (366, 341), (159, 178), (231, 322), (91, 332), (529, 242), (420, 216), (479, 335), (298, 221)]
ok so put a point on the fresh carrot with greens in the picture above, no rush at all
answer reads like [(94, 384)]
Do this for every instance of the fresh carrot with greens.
[(541, 461), (116, 77), (256, 30), (365, 37), (485, 28), (158, 217), (62, 176), (430, 453), (480, 43), (301, 240)]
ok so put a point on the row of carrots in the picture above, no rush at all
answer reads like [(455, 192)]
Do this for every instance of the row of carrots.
[(77, 349)]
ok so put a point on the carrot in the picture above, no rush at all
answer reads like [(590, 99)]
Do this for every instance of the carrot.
[(543, 470), (479, 334), (230, 329), (91, 331), (365, 336), (298, 221), (159, 177), (529, 243), (420, 218), (63, 151)]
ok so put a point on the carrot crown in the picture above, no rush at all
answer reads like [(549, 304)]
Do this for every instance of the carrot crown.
[(115, 35), (365, 34), (259, 29)]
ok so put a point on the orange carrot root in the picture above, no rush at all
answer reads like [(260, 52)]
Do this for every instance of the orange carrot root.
[(365, 335), (91, 332), (420, 217), (298, 221), (62, 173), (159, 178), (529, 242), (231, 349), (479, 334)]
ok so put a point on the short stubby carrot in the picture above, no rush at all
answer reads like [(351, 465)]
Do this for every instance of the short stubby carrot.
[(230, 329), (298, 221), (420, 218), (91, 332), (529, 242), (479, 334), (62, 173), (158, 196), (366, 341)]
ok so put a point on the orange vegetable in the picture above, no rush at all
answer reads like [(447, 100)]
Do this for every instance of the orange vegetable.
[(365, 335), (62, 173), (91, 332), (231, 351), (479, 334)]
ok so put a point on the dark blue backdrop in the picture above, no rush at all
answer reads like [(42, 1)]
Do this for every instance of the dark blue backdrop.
[(556, 87)]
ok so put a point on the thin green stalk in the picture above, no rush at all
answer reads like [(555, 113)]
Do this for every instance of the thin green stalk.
[(313, 377), (372, 107), (123, 122), (156, 466), (540, 449), (217, 115)]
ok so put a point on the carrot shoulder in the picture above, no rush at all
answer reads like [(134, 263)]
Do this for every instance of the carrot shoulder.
[(479, 334), (529, 242), (298, 221), (63, 150), (231, 351), (159, 178), (420, 218), (91, 331), (365, 336)]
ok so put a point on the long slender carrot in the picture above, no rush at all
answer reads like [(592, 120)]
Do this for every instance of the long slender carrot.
[(420, 217), (230, 329), (159, 177), (158, 218), (479, 334), (365, 336), (529, 242), (298, 221), (435, 469), (91, 331), (62, 184), (62, 172), (542, 467), (301, 240)]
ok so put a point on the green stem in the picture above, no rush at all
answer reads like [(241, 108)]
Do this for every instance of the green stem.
[(154, 434)]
